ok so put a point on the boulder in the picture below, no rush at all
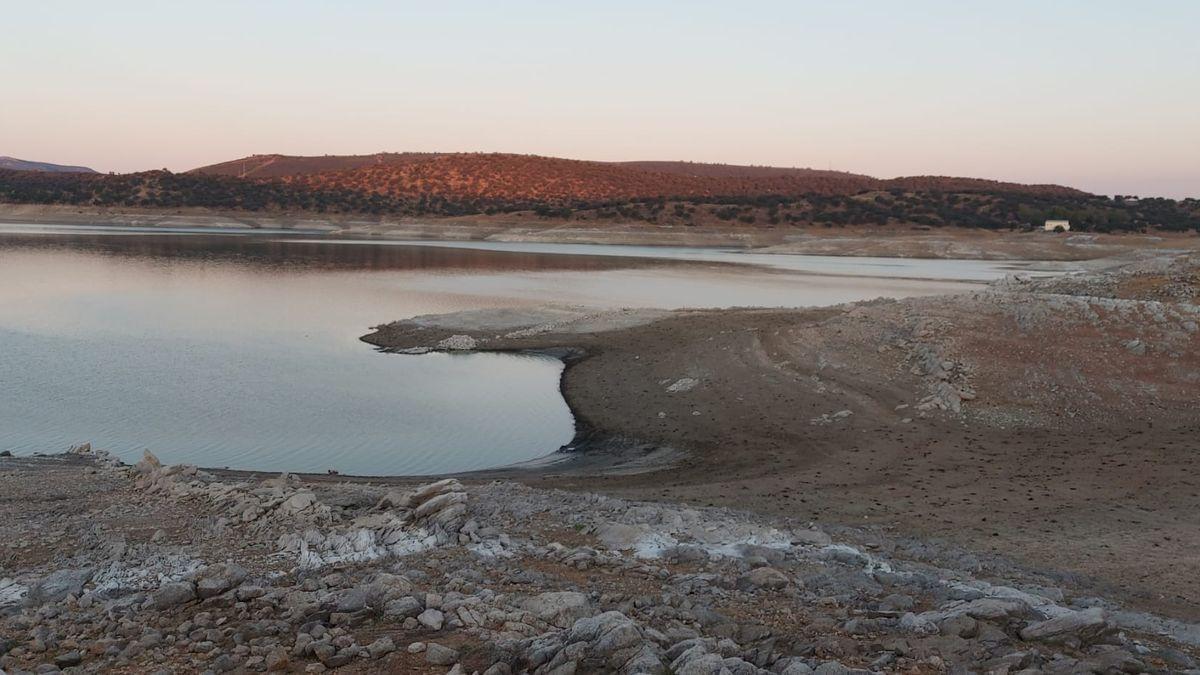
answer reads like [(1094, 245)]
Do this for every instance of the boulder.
[(58, 585), (298, 502), (216, 579), (440, 655), (403, 608), (561, 608), (767, 578), (148, 463), (433, 619), (173, 593), (68, 659), (618, 536), (381, 647), (610, 642), (1074, 629)]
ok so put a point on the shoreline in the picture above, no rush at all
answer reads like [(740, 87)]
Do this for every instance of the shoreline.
[(853, 241), (670, 381), (935, 484)]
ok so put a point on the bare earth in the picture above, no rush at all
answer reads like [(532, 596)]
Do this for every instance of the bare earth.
[(1058, 429)]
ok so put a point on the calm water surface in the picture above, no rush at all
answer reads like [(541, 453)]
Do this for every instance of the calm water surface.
[(242, 350)]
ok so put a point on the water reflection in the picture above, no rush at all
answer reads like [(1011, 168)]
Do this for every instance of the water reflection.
[(235, 350), (306, 254)]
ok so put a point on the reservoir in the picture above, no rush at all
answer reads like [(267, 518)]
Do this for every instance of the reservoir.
[(241, 350)]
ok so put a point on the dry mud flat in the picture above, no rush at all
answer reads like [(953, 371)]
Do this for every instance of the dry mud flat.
[(1052, 421), (110, 568)]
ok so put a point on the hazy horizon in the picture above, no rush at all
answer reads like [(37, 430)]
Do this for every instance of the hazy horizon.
[(1100, 95)]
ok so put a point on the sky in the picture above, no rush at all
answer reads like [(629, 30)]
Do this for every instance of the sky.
[(1103, 95)]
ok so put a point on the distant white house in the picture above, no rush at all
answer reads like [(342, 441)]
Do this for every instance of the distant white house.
[(1056, 225)]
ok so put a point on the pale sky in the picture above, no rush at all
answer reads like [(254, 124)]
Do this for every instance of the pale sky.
[(1103, 95)]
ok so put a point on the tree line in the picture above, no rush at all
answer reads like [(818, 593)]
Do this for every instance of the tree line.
[(989, 210)]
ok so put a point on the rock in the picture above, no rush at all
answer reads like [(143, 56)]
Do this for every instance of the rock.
[(1116, 660), (381, 647), (618, 536), (561, 608), (796, 667), (432, 619), (216, 579), (249, 592), (148, 464), (58, 585), (701, 664), (989, 608), (277, 660), (458, 343), (683, 384), (1074, 629), (224, 663), (298, 502), (764, 577), (403, 608), (772, 556), (173, 593), (608, 642), (413, 499), (811, 537), (68, 659), (897, 602), (960, 625), (440, 655), (351, 600)]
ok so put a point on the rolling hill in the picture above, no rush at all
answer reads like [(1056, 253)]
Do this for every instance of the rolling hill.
[(14, 164), (675, 194), (279, 166), (551, 179)]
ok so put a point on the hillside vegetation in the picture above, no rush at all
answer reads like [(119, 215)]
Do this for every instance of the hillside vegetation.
[(666, 193), (550, 179)]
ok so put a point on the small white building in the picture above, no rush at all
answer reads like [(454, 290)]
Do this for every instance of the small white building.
[(1057, 225)]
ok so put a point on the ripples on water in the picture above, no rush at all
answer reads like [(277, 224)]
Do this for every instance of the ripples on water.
[(242, 351)]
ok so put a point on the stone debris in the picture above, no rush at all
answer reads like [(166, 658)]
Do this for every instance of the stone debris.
[(683, 384), (484, 579), (458, 343)]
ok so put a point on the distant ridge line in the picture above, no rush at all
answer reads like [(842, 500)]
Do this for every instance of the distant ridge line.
[(539, 178)]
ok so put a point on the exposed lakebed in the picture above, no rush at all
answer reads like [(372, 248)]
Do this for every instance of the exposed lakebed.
[(242, 350)]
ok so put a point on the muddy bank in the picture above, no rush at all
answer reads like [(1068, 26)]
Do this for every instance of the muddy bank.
[(1057, 428), (898, 241)]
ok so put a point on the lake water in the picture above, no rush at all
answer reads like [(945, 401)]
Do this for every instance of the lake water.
[(242, 350)]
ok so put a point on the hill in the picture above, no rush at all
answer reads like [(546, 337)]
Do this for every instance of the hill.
[(676, 194), (278, 166), (499, 176), (14, 164)]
